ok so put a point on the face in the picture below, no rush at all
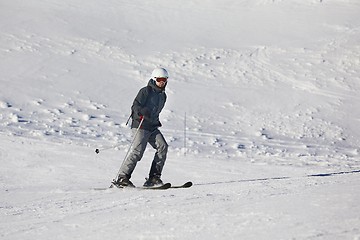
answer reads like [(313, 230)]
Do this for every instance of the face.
[(161, 82)]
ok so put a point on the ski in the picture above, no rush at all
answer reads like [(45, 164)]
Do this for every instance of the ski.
[(185, 185), (161, 187)]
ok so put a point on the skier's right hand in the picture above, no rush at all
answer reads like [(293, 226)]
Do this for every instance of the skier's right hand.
[(145, 112)]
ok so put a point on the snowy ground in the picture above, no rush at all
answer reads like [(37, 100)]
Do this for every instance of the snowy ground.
[(269, 91)]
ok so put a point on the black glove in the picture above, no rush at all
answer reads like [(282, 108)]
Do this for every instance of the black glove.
[(145, 112)]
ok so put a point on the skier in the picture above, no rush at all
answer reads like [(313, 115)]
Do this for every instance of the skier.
[(147, 106)]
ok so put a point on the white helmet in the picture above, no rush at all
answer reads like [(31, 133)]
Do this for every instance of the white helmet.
[(159, 73)]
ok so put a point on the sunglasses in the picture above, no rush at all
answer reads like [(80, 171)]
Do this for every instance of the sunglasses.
[(161, 80)]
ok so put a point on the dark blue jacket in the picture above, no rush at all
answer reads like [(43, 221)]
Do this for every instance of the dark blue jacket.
[(148, 103)]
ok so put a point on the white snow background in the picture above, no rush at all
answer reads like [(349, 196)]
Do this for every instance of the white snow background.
[(263, 116)]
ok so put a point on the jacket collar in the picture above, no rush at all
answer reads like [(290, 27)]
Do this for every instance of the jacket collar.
[(153, 85)]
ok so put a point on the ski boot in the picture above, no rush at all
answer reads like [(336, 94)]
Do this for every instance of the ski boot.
[(123, 182), (153, 182)]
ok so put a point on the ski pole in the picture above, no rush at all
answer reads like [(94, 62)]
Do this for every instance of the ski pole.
[(129, 119), (113, 146), (127, 153), (106, 148)]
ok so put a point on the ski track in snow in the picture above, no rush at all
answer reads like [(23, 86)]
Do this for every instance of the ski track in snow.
[(262, 115)]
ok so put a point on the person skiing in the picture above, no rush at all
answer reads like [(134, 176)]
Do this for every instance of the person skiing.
[(146, 108)]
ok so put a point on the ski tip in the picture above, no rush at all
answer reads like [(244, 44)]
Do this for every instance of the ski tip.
[(185, 185), (188, 184)]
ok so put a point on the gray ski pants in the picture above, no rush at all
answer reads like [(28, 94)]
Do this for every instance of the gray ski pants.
[(157, 141)]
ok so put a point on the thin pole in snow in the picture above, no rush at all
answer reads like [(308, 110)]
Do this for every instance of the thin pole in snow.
[(185, 147)]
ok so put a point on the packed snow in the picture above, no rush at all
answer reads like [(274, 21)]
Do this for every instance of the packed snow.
[(263, 116)]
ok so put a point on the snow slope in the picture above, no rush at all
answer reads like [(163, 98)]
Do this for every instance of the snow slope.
[(262, 115)]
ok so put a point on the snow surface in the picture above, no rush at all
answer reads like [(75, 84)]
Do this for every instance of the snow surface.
[(263, 116)]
